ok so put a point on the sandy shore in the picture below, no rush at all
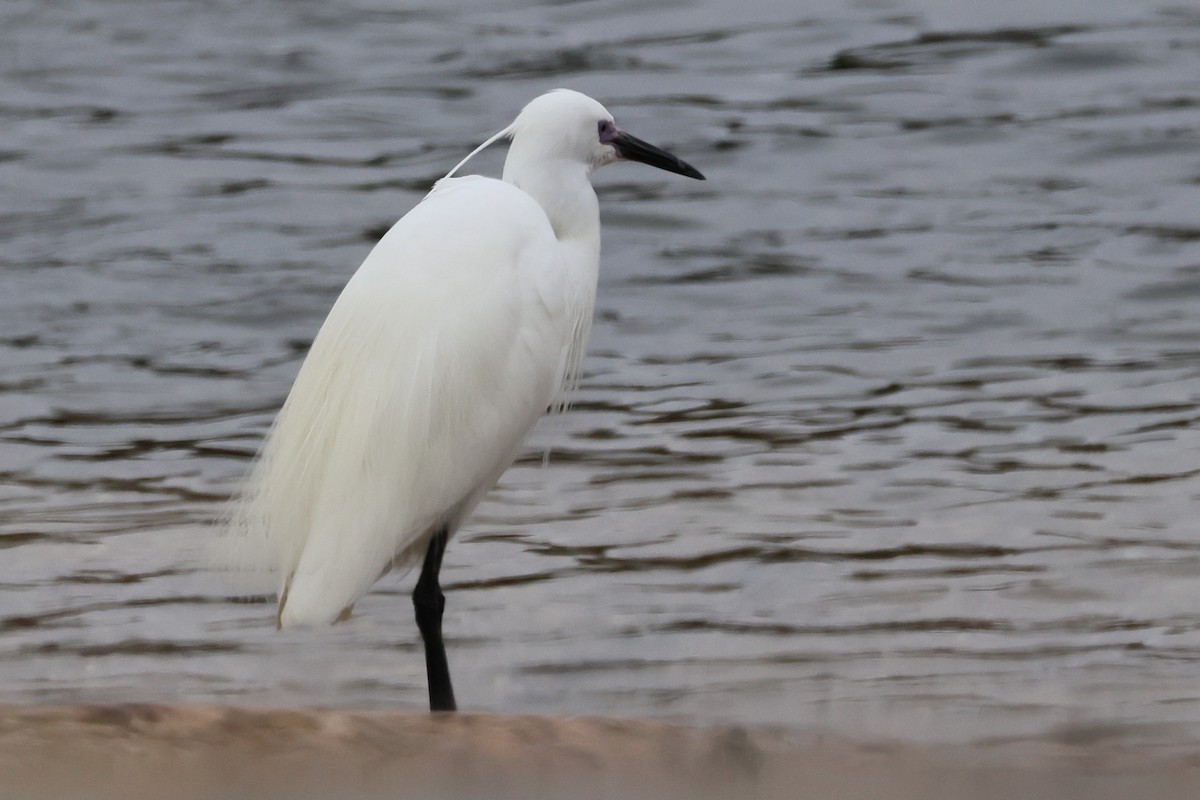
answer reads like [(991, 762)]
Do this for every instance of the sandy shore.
[(186, 753)]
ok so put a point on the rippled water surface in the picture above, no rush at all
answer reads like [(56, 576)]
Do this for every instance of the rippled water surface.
[(889, 428)]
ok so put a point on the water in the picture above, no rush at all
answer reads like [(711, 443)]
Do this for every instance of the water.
[(888, 428)]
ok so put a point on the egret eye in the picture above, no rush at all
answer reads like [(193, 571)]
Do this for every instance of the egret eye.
[(607, 131)]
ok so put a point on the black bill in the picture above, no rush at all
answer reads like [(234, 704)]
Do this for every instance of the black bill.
[(632, 148)]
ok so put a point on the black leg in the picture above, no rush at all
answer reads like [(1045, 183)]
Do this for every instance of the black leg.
[(429, 602)]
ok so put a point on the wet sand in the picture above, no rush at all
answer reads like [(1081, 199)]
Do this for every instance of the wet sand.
[(143, 751)]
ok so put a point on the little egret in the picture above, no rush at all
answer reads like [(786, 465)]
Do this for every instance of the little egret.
[(464, 324)]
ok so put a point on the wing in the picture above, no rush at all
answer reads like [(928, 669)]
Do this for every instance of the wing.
[(441, 353)]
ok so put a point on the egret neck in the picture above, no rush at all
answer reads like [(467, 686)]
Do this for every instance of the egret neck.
[(562, 187)]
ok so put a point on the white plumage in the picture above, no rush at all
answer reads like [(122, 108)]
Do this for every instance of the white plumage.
[(455, 335)]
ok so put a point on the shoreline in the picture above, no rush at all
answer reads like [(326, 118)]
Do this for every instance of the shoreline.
[(202, 752)]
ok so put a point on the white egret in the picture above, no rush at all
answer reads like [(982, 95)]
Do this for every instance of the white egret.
[(461, 328)]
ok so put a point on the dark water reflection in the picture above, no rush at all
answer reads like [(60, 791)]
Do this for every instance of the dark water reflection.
[(889, 427)]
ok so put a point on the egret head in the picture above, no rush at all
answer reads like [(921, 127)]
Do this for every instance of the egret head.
[(568, 125)]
